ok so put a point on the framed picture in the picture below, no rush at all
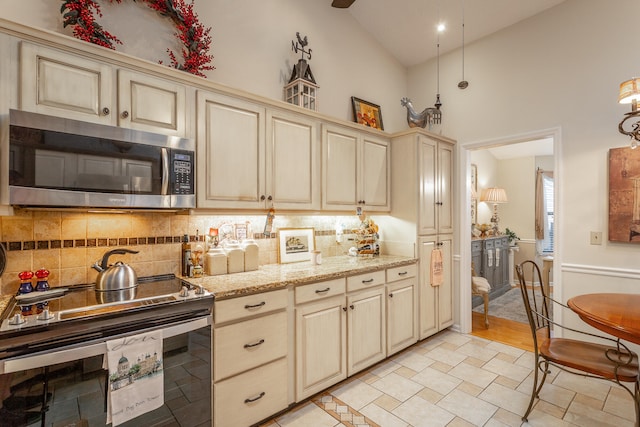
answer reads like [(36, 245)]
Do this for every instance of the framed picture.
[(366, 113), (624, 195), (474, 194), (295, 244)]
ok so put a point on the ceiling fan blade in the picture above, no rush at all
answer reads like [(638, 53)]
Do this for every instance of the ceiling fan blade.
[(342, 4)]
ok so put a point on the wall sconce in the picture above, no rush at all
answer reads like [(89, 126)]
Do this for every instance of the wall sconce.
[(494, 195), (630, 94)]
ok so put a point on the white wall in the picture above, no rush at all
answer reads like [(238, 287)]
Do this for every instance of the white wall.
[(252, 48)]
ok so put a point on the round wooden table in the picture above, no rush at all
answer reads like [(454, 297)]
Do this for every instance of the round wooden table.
[(615, 314)]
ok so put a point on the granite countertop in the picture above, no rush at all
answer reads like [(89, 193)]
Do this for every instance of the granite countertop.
[(278, 276)]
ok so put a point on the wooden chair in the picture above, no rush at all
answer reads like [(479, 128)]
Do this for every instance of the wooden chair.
[(613, 362), (481, 287)]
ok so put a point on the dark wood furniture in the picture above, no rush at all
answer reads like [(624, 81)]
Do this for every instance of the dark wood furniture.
[(490, 257)]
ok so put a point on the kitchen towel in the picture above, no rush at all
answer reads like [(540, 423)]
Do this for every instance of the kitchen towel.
[(136, 383), (436, 268)]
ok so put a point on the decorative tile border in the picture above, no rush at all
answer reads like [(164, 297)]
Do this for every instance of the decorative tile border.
[(30, 245), (341, 411)]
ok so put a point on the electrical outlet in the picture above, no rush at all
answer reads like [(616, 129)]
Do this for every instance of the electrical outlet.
[(596, 237)]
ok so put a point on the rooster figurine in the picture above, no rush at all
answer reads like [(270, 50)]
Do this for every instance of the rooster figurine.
[(428, 115)]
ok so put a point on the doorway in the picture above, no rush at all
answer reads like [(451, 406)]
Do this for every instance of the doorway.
[(511, 164)]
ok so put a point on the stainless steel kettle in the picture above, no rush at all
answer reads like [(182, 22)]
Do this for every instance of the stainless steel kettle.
[(117, 276)]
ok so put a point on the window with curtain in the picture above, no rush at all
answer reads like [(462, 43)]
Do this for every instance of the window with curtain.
[(544, 212)]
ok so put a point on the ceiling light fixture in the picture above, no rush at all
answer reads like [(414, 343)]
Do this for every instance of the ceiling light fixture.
[(463, 84), (630, 94)]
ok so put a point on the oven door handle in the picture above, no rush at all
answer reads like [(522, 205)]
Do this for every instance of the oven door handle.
[(93, 348)]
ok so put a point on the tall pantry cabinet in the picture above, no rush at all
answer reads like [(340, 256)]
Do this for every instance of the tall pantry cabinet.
[(422, 205)]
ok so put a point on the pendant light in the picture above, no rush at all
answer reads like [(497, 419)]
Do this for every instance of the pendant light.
[(463, 83)]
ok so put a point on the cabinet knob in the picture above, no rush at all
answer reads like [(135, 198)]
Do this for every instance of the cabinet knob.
[(269, 198), (352, 307), (344, 308), (105, 111), (439, 203), (124, 114), (390, 295), (262, 197)]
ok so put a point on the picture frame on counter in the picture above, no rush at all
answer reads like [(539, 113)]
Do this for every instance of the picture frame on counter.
[(366, 113), (295, 244)]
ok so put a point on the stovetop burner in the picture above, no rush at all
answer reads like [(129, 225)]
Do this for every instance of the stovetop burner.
[(63, 315)]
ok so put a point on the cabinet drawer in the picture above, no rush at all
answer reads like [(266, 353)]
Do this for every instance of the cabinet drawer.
[(316, 291), (251, 397), (489, 243), (366, 280), (245, 345), (239, 308), (399, 273), (476, 246)]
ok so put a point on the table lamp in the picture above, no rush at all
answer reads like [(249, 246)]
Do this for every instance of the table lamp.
[(494, 195)]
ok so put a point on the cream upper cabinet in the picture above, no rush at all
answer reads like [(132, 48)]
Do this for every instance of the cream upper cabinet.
[(252, 158), (366, 329), (436, 169), (62, 84), (292, 161), (151, 104), (230, 146), (436, 302), (356, 170)]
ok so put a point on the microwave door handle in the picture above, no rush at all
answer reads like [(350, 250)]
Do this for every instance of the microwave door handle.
[(165, 172)]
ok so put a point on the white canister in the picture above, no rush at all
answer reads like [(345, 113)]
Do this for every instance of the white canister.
[(216, 262), (251, 255), (235, 257), (316, 257)]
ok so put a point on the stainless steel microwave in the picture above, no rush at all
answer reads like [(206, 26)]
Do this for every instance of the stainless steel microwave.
[(58, 162)]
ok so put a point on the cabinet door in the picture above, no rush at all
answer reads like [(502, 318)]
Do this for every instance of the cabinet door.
[(61, 84), (445, 190), (401, 315), (293, 162), (340, 168), (436, 302), (375, 176), (366, 332), (321, 339), (428, 164), (151, 104), (230, 153)]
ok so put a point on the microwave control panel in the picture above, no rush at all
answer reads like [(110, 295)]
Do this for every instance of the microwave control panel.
[(182, 169)]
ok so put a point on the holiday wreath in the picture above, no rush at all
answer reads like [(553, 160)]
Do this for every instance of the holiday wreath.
[(80, 14)]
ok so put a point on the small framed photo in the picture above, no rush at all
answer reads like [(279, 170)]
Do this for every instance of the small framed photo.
[(295, 244), (366, 113)]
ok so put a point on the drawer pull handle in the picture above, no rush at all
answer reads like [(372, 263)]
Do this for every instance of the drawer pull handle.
[(250, 306), (403, 273), (258, 397), (321, 291), (367, 281), (255, 344)]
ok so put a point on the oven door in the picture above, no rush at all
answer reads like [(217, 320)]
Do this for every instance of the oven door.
[(67, 386)]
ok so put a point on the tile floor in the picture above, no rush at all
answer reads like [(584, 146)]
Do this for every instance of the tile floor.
[(458, 380)]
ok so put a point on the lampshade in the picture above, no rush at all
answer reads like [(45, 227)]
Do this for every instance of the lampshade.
[(629, 91), (494, 195)]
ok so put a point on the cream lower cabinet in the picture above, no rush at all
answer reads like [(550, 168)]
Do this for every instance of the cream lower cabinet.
[(251, 157), (436, 302), (58, 83), (321, 336), (402, 308), (250, 360)]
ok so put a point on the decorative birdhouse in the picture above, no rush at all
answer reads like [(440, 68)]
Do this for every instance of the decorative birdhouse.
[(302, 89)]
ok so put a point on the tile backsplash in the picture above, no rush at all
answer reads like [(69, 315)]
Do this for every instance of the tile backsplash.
[(68, 243)]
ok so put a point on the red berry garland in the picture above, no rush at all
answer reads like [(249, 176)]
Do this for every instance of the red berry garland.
[(194, 36)]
